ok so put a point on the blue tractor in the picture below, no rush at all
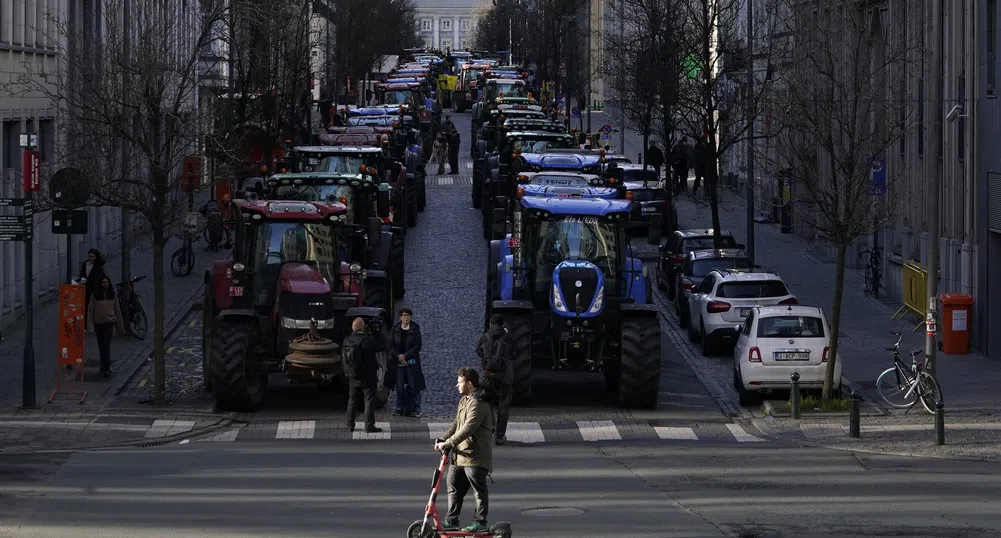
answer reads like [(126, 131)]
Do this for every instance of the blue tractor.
[(573, 296)]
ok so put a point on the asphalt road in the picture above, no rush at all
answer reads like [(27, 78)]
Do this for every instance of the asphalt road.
[(370, 489)]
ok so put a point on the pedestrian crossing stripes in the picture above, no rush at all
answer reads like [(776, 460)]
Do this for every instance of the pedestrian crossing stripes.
[(166, 428), (517, 431), (448, 181)]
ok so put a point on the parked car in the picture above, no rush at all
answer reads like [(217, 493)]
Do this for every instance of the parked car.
[(673, 252), (776, 341), (697, 265), (724, 298)]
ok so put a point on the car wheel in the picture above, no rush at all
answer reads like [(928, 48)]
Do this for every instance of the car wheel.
[(745, 397), (684, 319), (660, 282), (706, 344), (671, 291), (692, 336), (736, 381)]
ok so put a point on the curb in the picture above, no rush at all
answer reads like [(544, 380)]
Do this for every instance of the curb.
[(175, 324), (140, 443)]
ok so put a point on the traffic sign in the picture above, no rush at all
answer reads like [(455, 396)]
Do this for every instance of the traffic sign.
[(11, 202), (31, 161), (66, 221), (606, 129), (575, 112), (877, 185)]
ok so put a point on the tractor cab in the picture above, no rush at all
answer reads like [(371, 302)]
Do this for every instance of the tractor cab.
[(573, 294), (564, 185)]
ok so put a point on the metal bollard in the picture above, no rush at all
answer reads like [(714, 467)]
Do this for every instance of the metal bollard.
[(794, 401), (940, 422), (854, 427)]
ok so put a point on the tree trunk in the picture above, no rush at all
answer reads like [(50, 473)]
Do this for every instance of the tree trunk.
[(712, 181), (832, 355), (159, 359)]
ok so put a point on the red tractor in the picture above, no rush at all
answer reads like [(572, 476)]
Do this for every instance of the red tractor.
[(284, 302)]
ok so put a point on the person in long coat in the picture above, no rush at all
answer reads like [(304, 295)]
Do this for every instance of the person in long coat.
[(92, 269), (405, 347)]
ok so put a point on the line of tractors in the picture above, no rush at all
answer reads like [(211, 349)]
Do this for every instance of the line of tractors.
[(559, 216), (317, 243)]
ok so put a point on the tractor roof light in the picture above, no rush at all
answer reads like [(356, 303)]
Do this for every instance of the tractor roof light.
[(523, 179), (520, 192), (629, 195)]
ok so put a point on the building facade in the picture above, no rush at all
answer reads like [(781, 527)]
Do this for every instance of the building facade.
[(448, 24)]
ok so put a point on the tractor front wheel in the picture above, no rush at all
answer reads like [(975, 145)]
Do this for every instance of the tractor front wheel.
[(397, 255), (519, 327), (639, 375), (238, 383)]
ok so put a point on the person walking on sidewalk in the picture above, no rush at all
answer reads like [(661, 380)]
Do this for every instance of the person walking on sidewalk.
[(654, 158), (103, 317), (361, 367), (405, 346), (494, 351), (679, 165), (91, 272), (472, 454)]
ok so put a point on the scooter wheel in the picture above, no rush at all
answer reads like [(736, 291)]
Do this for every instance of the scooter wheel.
[(414, 531)]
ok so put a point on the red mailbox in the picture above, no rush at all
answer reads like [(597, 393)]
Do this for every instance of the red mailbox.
[(956, 320)]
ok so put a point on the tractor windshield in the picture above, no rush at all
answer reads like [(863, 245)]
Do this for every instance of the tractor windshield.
[(339, 164), (278, 243), (397, 97), (541, 144), (574, 238)]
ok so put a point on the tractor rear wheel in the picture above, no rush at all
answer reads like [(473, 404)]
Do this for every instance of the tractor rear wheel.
[(238, 383), (397, 255), (411, 201), (208, 315), (639, 377), (519, 328), (377, 293)]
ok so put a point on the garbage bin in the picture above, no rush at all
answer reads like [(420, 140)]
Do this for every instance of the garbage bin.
[(956, 309)]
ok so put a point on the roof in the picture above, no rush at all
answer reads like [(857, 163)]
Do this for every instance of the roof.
[(316, 176), (597, 207), (789, 310), (337, 149), (628, 166), (701, 232), (291, 210), (721, 253), (513, 81), (560, 161), (538, 134)]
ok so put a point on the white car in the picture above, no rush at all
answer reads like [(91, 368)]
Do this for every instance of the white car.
[(776, 341), (717, 307)]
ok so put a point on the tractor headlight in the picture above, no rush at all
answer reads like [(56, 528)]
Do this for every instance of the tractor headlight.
[(599, 301), (238, 267), (557, 301), (354, 267), (290, 323)]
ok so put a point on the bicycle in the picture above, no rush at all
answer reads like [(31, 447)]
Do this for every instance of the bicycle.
[(899, 385), (873, 274), (132, 308), (182, 262)]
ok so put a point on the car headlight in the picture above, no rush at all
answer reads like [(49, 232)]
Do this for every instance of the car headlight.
[(354, 267), (557, 302), (599, 301)]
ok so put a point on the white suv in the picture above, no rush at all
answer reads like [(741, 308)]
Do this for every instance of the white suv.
[(777, 341), (717, 308)]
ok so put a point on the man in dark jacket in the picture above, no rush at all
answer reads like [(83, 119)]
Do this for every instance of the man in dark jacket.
[(472, 455), (453, 151), (494, 351), (361, 367), (405, 346), (654, 157)]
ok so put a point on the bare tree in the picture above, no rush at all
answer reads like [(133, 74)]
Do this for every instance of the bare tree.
[(135, 87), (713, 101), (840, 122)]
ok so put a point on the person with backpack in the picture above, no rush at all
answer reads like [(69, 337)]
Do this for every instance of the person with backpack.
[(361, 368), (494, 350)]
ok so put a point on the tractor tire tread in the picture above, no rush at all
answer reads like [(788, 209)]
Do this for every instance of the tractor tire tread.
[(639, 378)]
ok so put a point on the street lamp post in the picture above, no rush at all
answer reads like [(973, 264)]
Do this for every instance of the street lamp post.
[(750, 129)]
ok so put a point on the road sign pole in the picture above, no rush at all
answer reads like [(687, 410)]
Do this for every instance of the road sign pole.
[(28, 374)]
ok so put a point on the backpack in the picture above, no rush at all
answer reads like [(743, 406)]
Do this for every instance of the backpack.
[(349, 361), (495, 354)]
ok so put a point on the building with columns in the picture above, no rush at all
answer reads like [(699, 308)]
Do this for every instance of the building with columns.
[(448, 24)]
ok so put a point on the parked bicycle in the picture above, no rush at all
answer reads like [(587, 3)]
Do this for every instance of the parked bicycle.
[(183, 260), (132, 308), (902, 386), (869, 258), (216, 231)]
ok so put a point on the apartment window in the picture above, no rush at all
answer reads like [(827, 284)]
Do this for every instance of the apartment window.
[(446, 25), (446, 44), (465, 24), (426, 25), (992, 46), (464, 44)]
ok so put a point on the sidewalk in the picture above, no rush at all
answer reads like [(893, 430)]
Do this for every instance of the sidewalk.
[(127, 352), (968, 381)]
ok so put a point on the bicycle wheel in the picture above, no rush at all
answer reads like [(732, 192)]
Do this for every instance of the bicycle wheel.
[(893, 391), (190, 261), (139, 324), (868, 279), (177, 262), (875, 281), (928, 390)]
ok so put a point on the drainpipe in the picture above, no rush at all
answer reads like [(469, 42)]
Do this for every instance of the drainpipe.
[(969, 164)]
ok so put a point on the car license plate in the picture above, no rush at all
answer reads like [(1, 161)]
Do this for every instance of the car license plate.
[(236, 291), (792, 356), (744, 312), (649, 209)]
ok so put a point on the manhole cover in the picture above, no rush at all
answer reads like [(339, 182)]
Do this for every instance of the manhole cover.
[(552, 511)]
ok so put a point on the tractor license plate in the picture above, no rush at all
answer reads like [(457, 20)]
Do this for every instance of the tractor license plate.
[(236, 291), (514, 242), (649, 209), (744, 311), (792, 356)]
